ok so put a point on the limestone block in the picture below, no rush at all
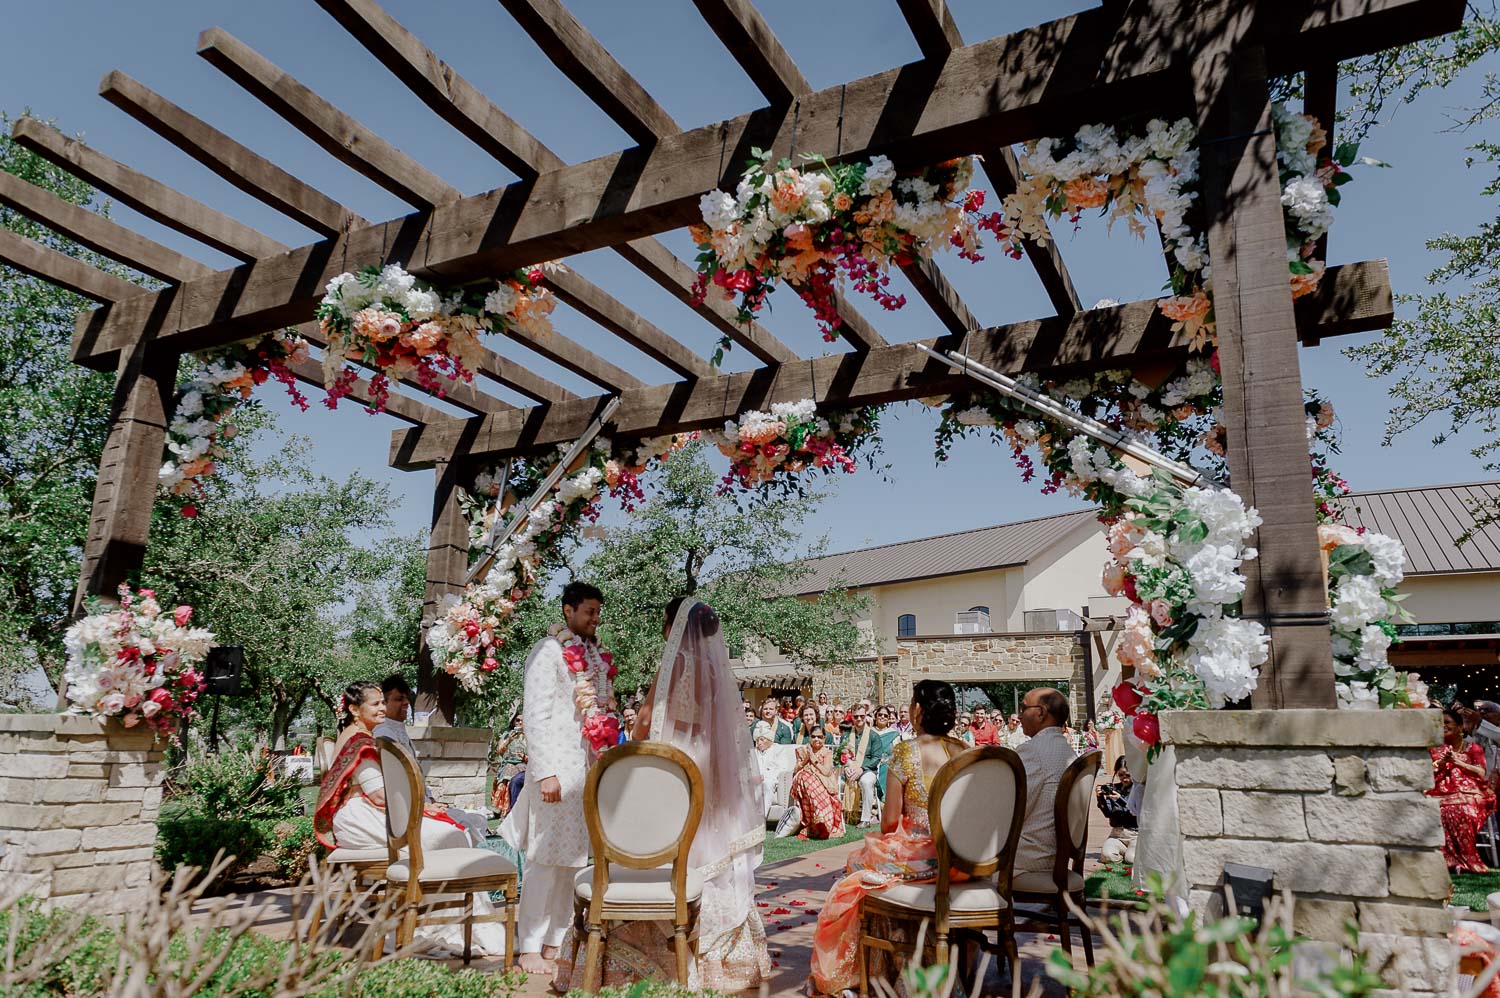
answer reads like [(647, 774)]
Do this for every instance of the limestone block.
[(69, 791), (87, 770), (92, 815), (139, 874), (1302, 867), (138, 855), (446, 768), (1420, 963), (1399, 919), (1344, 729), (1420, 873), (1318, 918), (1349, 776), (1254, 769), (120, 836), (1206, 904), (89, 879), (73, 860), (14, 790), (463, 785), (1199, 812), (33, 765), (1264, 816), (1381, 819), (136, 774), (1390, 772), (28, 816), (49, 842)]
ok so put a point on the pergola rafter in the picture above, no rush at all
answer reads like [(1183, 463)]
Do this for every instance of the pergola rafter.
[(1136, 58)]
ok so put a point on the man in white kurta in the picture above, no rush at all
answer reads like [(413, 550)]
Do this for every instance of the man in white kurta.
[(1045, 754), (557, 838)]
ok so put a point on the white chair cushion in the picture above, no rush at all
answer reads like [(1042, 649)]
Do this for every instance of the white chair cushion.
[(980, 896), (359, 855), (627, 886), (1041, 882), (454, 864)]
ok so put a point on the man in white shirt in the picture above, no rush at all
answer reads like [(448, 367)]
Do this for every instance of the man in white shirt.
[(398, 698), (1045, 754), (1487, 735)]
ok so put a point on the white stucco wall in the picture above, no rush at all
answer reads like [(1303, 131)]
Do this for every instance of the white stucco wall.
[(1453, 599), (1065, 576)]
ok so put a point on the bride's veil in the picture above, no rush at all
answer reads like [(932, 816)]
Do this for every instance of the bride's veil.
[(698, 708)]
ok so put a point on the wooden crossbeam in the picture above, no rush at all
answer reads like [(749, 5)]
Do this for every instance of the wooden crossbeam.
[(408, 179), (594, 302), (1052, 77), (599, 75), (31, 257), (1357, 297), (771, 67), (937, 34), (151, 198), (462, 105), (100, 234), (247, 170)]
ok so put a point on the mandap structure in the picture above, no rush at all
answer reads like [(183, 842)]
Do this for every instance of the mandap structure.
[(1167, 59)]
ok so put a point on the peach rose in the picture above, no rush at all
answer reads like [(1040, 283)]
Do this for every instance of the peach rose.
[(1086, 192), (1114, 579), (1161, 612), (1331, 535)]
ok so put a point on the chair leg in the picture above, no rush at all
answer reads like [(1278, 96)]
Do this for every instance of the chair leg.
[(1013, 957), (1063, 931), (682, 954), (593, 972), (510, 925), (864, 960), (1085, 934), (468, 928), (939, 951), (377, 942)]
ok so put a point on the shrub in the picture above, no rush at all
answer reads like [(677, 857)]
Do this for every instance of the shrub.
[(237, 785), (292, 843), (195, 840)]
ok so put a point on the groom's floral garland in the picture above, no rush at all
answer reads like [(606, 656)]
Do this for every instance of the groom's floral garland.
[(386, 319), (819, 227), (590, 665), (206, 402)]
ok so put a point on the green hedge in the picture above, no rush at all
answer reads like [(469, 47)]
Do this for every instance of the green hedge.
[(193, 840)]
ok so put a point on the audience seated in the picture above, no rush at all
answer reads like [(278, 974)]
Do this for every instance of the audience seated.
[(1045, 754), (859, 755)]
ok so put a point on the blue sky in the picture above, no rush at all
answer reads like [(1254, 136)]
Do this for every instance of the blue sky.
[(60, 50)]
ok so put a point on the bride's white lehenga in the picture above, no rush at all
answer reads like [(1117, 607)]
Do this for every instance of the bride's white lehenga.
[(695, 705), (348, 818)]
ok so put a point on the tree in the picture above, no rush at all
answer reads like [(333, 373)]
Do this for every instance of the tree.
[(54, 416), (1445, 358), (743, 558)]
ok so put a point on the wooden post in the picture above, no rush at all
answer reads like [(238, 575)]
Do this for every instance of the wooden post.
[(447, 565), (1257, 335)]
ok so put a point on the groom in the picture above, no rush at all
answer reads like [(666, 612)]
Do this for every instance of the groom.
[(557, 839)]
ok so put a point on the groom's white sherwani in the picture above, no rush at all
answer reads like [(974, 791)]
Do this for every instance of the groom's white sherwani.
[(557, 837)]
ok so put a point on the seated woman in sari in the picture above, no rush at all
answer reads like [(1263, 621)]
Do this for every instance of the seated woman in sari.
[(887, 735), (815, 791), (901, 852), (1465, 796), (351, 812)]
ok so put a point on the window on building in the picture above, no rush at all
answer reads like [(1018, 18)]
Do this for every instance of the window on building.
[(906, 625)]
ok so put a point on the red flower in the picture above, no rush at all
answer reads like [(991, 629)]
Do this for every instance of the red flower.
[(1147, 728), (259, 375), (489, 665), (189, 511), (182, 615), (781, 911), (573, 656), (1127, 698), (1130, 591), (602, 731), (535, 275)]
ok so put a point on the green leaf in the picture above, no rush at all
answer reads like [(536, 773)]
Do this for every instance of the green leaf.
[(1299, 267), (1345, 153)]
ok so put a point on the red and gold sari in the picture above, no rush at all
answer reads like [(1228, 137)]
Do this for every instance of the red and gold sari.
[(814, 790), (1466, 800), (340, 786)]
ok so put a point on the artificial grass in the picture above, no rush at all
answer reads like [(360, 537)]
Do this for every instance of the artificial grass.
[(1471, 889), (1111, 880), (777, 850)]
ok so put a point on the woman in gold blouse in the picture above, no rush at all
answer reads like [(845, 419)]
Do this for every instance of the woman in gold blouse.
[(901, 852)]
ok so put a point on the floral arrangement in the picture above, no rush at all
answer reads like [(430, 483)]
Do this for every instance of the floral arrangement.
[(1109, 719), (201, 420), (1364, 569), (136, 662), (385, 319), (593, 669), (821, 227), (793, 437), (470, 631)]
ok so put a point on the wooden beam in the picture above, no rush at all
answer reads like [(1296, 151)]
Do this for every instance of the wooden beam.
[(463, 106), (151, 198), (581, 361), (447, 571), (1050, 78), (49, 265), (100, 234), (594, 302), (937, 34), (1320, 86), (1119, 336), (522, 379), (592, 69), (247, 170)]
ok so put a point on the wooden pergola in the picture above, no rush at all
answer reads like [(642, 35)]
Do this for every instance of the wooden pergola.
[(1137, 58)]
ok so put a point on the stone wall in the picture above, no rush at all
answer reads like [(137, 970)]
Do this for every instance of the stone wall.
[(78, 807), (1332, 802), (964, 658), (455, 764)]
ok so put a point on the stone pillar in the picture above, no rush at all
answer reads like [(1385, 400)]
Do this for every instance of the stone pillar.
[(78, 807), (455, 764), (1331, 801)]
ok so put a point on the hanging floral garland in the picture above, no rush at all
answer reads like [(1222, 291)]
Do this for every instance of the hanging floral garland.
[(767, 448), (136, 662), (384, 318), (1364, 569), (202, 417), (820, 227)]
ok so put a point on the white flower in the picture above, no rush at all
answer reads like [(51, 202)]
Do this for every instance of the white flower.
[(1389, 557), (1357, 603), (720, 210), (1223, 513), (1306, 200), (1225, 652), (974, 416), (1355, 695), (1104, 303), (1215, 572), (420, 304), (394, 283), (1373, 645), (878, 176), (501, 301)]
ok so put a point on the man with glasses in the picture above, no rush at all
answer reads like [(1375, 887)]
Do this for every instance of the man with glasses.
[(859, 754), (781, 731), (1045, 754)]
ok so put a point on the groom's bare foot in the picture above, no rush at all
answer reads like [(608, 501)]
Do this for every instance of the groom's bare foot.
[(532, 963)]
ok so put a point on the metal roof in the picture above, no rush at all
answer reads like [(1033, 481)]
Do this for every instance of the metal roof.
[(1428, 521), (1003, 546)]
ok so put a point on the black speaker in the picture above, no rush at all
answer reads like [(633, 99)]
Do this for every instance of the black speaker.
[(223, 669)]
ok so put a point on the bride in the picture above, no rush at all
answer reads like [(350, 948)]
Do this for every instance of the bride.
[(695, 706)]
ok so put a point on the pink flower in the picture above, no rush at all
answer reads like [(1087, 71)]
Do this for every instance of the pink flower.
[(131, 720), (602, 731), (182, 615), (489, 665), (1114, 579), (148, 594), (1161, 612), (573, 656), (1147, 728)]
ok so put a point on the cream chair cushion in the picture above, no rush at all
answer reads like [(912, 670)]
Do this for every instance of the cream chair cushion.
[(643, 831), (1041, 882), (970, 897), (631, 887), (359, 855), (454, 864)]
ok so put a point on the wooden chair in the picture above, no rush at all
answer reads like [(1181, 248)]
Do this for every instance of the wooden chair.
[(642, 802), (366, 865), (414, 876), (1075, 795), (975, 806)]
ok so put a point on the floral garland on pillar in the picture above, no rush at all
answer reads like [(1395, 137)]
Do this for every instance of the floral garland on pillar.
[(206, 402), (593, 668), (831, 224), (387, 320)]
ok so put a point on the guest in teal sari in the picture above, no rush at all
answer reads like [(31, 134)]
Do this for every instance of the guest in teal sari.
[(886, 736)]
